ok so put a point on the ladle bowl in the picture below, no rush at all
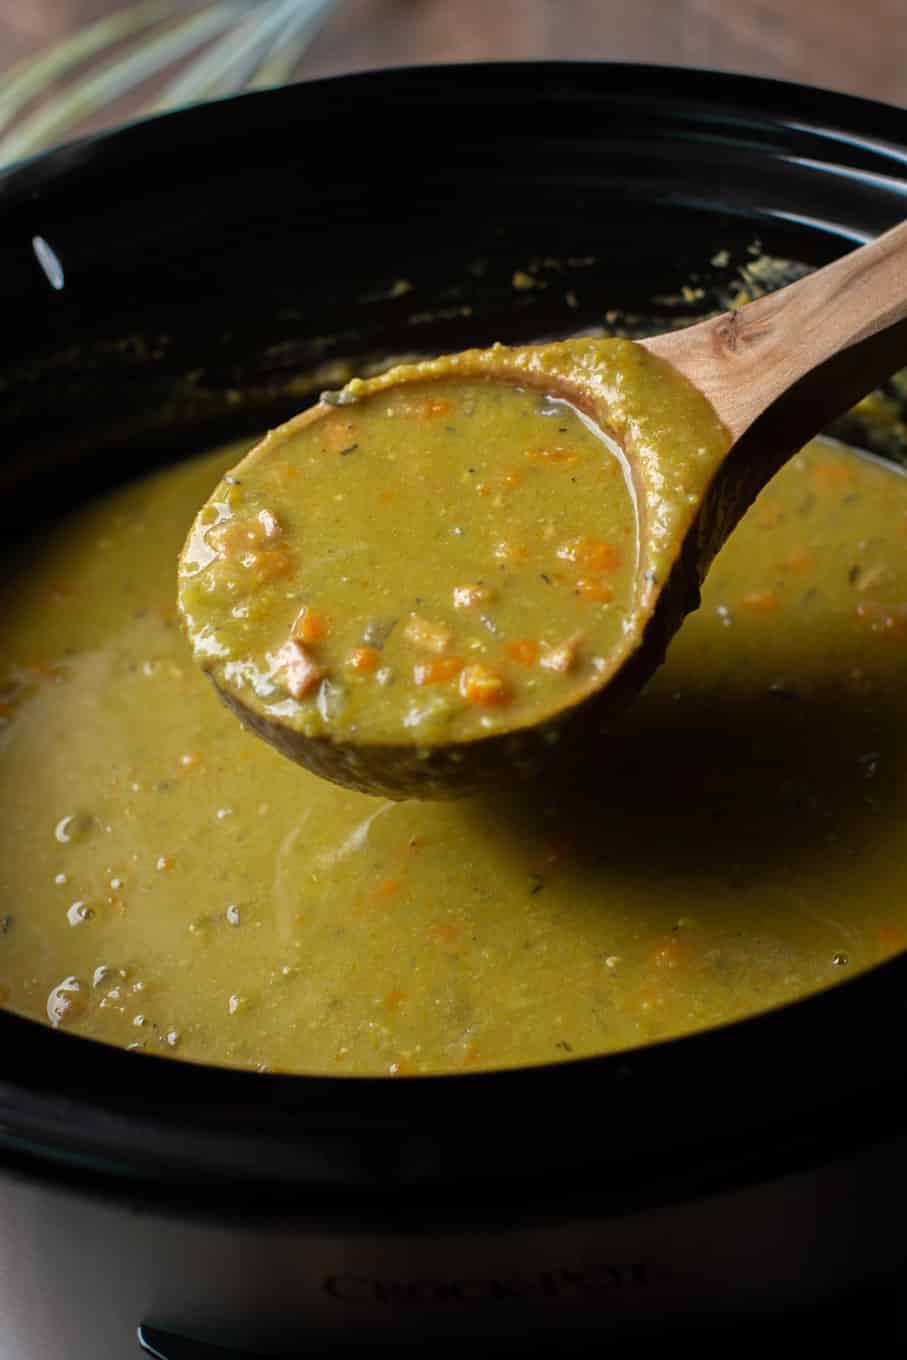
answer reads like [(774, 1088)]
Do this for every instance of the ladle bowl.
[(767, 376)]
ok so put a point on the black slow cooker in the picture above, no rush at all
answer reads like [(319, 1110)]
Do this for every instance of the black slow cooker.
[(165, 286)]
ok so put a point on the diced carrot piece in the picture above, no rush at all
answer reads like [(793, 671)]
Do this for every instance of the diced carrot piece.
[(388, 888), (481, 684), (598, 555), (760, 601), (311, 626), (301, 673), (434, 637), (597, 592), (595, 553), (437, 672), (799, 561), (394, 999), (525, 652), (832, 475), (364, 660)]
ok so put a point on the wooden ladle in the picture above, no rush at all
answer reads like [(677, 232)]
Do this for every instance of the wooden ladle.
[(774, 372)]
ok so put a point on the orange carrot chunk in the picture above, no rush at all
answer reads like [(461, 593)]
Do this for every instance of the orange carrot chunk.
[(832, 475), (594, 553), (596, 591), (760, 601), (364, 660), (480, 684), (389, 887), (525, 652), (801, 560), (437, 672), (311, 626)]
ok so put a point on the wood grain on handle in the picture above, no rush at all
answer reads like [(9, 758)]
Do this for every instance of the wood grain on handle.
[(745, 360)]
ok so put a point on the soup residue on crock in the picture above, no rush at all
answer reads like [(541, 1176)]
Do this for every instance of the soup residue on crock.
[(170, 883)]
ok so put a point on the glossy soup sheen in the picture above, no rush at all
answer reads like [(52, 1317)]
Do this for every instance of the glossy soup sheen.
[(168, 882)]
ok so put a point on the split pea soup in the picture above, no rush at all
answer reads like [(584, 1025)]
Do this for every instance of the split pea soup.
[(435, 562), (168, 883)]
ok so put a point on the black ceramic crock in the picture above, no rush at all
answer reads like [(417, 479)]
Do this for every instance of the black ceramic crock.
[(160, 288)]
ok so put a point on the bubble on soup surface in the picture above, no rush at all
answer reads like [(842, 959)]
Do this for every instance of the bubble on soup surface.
[(67, 1001)]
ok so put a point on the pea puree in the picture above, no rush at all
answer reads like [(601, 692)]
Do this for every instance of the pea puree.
[(170, 883)]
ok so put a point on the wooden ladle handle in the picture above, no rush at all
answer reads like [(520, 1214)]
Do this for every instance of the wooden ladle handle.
[(744, 361)]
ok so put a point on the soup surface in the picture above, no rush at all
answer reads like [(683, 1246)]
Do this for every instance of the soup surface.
[(169, 882)]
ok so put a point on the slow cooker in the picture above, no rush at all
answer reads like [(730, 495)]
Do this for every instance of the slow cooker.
[(192, 278)]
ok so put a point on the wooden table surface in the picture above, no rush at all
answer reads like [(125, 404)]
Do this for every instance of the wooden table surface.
[(837, 43), (857, 47)]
